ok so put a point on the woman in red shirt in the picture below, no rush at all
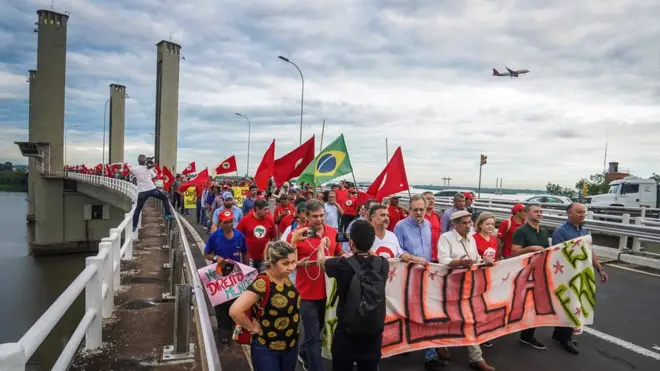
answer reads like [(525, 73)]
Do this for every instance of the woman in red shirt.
[(484, 236)]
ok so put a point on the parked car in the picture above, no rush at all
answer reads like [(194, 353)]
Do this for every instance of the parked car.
[(550, 199), (452, 192)]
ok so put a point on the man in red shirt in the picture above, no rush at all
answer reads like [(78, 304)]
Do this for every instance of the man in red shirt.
[(258, 228), (310, 281), (283, 209), (506, 229), (342, 193), (349, 206), (436, 225), (396, 212)]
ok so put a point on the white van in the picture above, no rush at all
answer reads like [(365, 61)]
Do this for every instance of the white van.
[(631, 192)]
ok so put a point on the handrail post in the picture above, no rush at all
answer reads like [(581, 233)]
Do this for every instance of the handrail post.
[(12, 357), (106, 277), (181, 349), (637, 244), (116, 253), (623, 239), (643, 211), (128, 237), (93, 299), (176, 272)]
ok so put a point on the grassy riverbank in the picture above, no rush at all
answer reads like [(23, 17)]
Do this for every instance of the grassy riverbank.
[(12, 188), (13, 181)]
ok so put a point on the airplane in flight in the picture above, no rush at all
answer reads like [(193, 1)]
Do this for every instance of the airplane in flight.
[(511, 72)]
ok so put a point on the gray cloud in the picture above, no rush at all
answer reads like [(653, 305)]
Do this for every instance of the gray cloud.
[(416, 72)]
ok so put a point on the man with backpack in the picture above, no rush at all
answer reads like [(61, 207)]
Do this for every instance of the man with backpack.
[(361, 282)]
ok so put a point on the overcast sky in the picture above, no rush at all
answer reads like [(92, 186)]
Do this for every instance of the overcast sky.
[(418, 72)]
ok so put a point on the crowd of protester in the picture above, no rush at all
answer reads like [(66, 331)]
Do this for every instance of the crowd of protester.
[(294, 236)]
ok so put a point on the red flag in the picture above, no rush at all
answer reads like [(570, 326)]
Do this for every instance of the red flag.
[(227, 166), (168, 178), (293, 163), (125, 170), (392, 179), (266, 167), (190, 169), (200, 179), (159, 172)]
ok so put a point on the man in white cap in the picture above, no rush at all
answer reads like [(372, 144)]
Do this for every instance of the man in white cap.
[(458, 249)]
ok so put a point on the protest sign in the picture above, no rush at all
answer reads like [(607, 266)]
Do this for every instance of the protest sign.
[(240, 193), (190, 198), (435, 306), (221, 288)]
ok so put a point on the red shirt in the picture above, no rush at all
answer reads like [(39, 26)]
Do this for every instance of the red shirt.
[(507, 237), (342, 195), (396, 214), (482, 244), (350, 206), (279, 210), (285, 222), (257, 234), (310, 281), (436, 230)]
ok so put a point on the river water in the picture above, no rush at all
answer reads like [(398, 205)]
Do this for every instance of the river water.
[(29, 285)]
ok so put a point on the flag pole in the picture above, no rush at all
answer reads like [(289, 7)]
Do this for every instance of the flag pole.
[(322, 132)]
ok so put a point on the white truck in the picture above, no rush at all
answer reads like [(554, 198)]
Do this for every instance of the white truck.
[(629, 192)]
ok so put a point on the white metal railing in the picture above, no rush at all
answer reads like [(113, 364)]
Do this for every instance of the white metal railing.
[(99, 280), (640, 229)]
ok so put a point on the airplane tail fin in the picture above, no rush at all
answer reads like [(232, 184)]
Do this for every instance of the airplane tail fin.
[(495, 73)]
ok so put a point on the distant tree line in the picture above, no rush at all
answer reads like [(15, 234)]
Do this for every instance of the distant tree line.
[(12, 180)]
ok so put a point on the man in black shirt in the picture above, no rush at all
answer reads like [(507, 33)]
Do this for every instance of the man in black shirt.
[(348, 348)]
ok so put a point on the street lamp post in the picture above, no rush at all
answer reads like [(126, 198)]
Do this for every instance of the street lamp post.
[(247, 168), (65, 129), (302, 93)]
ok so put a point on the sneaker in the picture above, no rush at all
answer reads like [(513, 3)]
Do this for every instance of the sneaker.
[(168, 217), (533, 343), (487, 344), (302, 361), (433, 365)]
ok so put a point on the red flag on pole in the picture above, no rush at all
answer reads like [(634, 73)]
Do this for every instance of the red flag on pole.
[(293, 163), (189, 169), (392, 179), (200, 179), (227, 166), (266, 167), (168, 178)]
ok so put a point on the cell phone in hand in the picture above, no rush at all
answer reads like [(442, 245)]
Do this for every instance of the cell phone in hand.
[(311, 233)]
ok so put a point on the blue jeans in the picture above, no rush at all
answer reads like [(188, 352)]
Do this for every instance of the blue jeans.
[(198, 210), (266, 359), (142, 198), (313, 319), (259, 265), (430, 354)]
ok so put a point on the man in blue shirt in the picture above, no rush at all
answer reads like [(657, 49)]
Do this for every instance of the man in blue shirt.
[(226, 243), (573, 228), (414, 234), (459, 204), (248, 202), (227, 204)]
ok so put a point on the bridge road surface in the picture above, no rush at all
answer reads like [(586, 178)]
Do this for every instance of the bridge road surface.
[(627, 309)]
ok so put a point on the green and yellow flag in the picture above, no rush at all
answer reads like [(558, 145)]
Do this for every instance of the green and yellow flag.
[(331, 163)]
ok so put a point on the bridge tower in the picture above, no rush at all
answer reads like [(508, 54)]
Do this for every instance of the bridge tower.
[(168, 55), (117, 118)]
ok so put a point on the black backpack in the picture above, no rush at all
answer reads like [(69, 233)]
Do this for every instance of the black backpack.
[(364, 310)]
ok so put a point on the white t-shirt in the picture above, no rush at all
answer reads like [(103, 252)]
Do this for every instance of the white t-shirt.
[(286, 233), (144, 178), (388, 247), (331, 215)]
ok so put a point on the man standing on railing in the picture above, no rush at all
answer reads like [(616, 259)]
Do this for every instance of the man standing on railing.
[(144, 177), (573, 228)]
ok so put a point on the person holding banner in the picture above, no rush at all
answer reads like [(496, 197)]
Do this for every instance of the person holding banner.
[(226, 244), (458, 249), (573, 228), (274, 343)]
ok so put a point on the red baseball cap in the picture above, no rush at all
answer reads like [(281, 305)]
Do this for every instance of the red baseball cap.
[(225, 216), (517, 208), (468, 195)]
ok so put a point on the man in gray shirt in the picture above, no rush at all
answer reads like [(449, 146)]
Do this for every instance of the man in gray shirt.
[(459, 204)]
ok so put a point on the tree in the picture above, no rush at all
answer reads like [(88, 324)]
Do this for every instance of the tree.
[(595, 184), (557, 190), (656, 177), (7, 166)]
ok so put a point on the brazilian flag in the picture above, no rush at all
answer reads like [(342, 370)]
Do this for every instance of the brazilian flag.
[(331, 163)]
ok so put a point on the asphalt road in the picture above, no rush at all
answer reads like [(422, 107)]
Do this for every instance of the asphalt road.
[(627, 328)]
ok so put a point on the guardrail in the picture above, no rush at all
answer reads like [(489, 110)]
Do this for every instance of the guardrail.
[(99, 280), (641, 229), (183, 281)]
